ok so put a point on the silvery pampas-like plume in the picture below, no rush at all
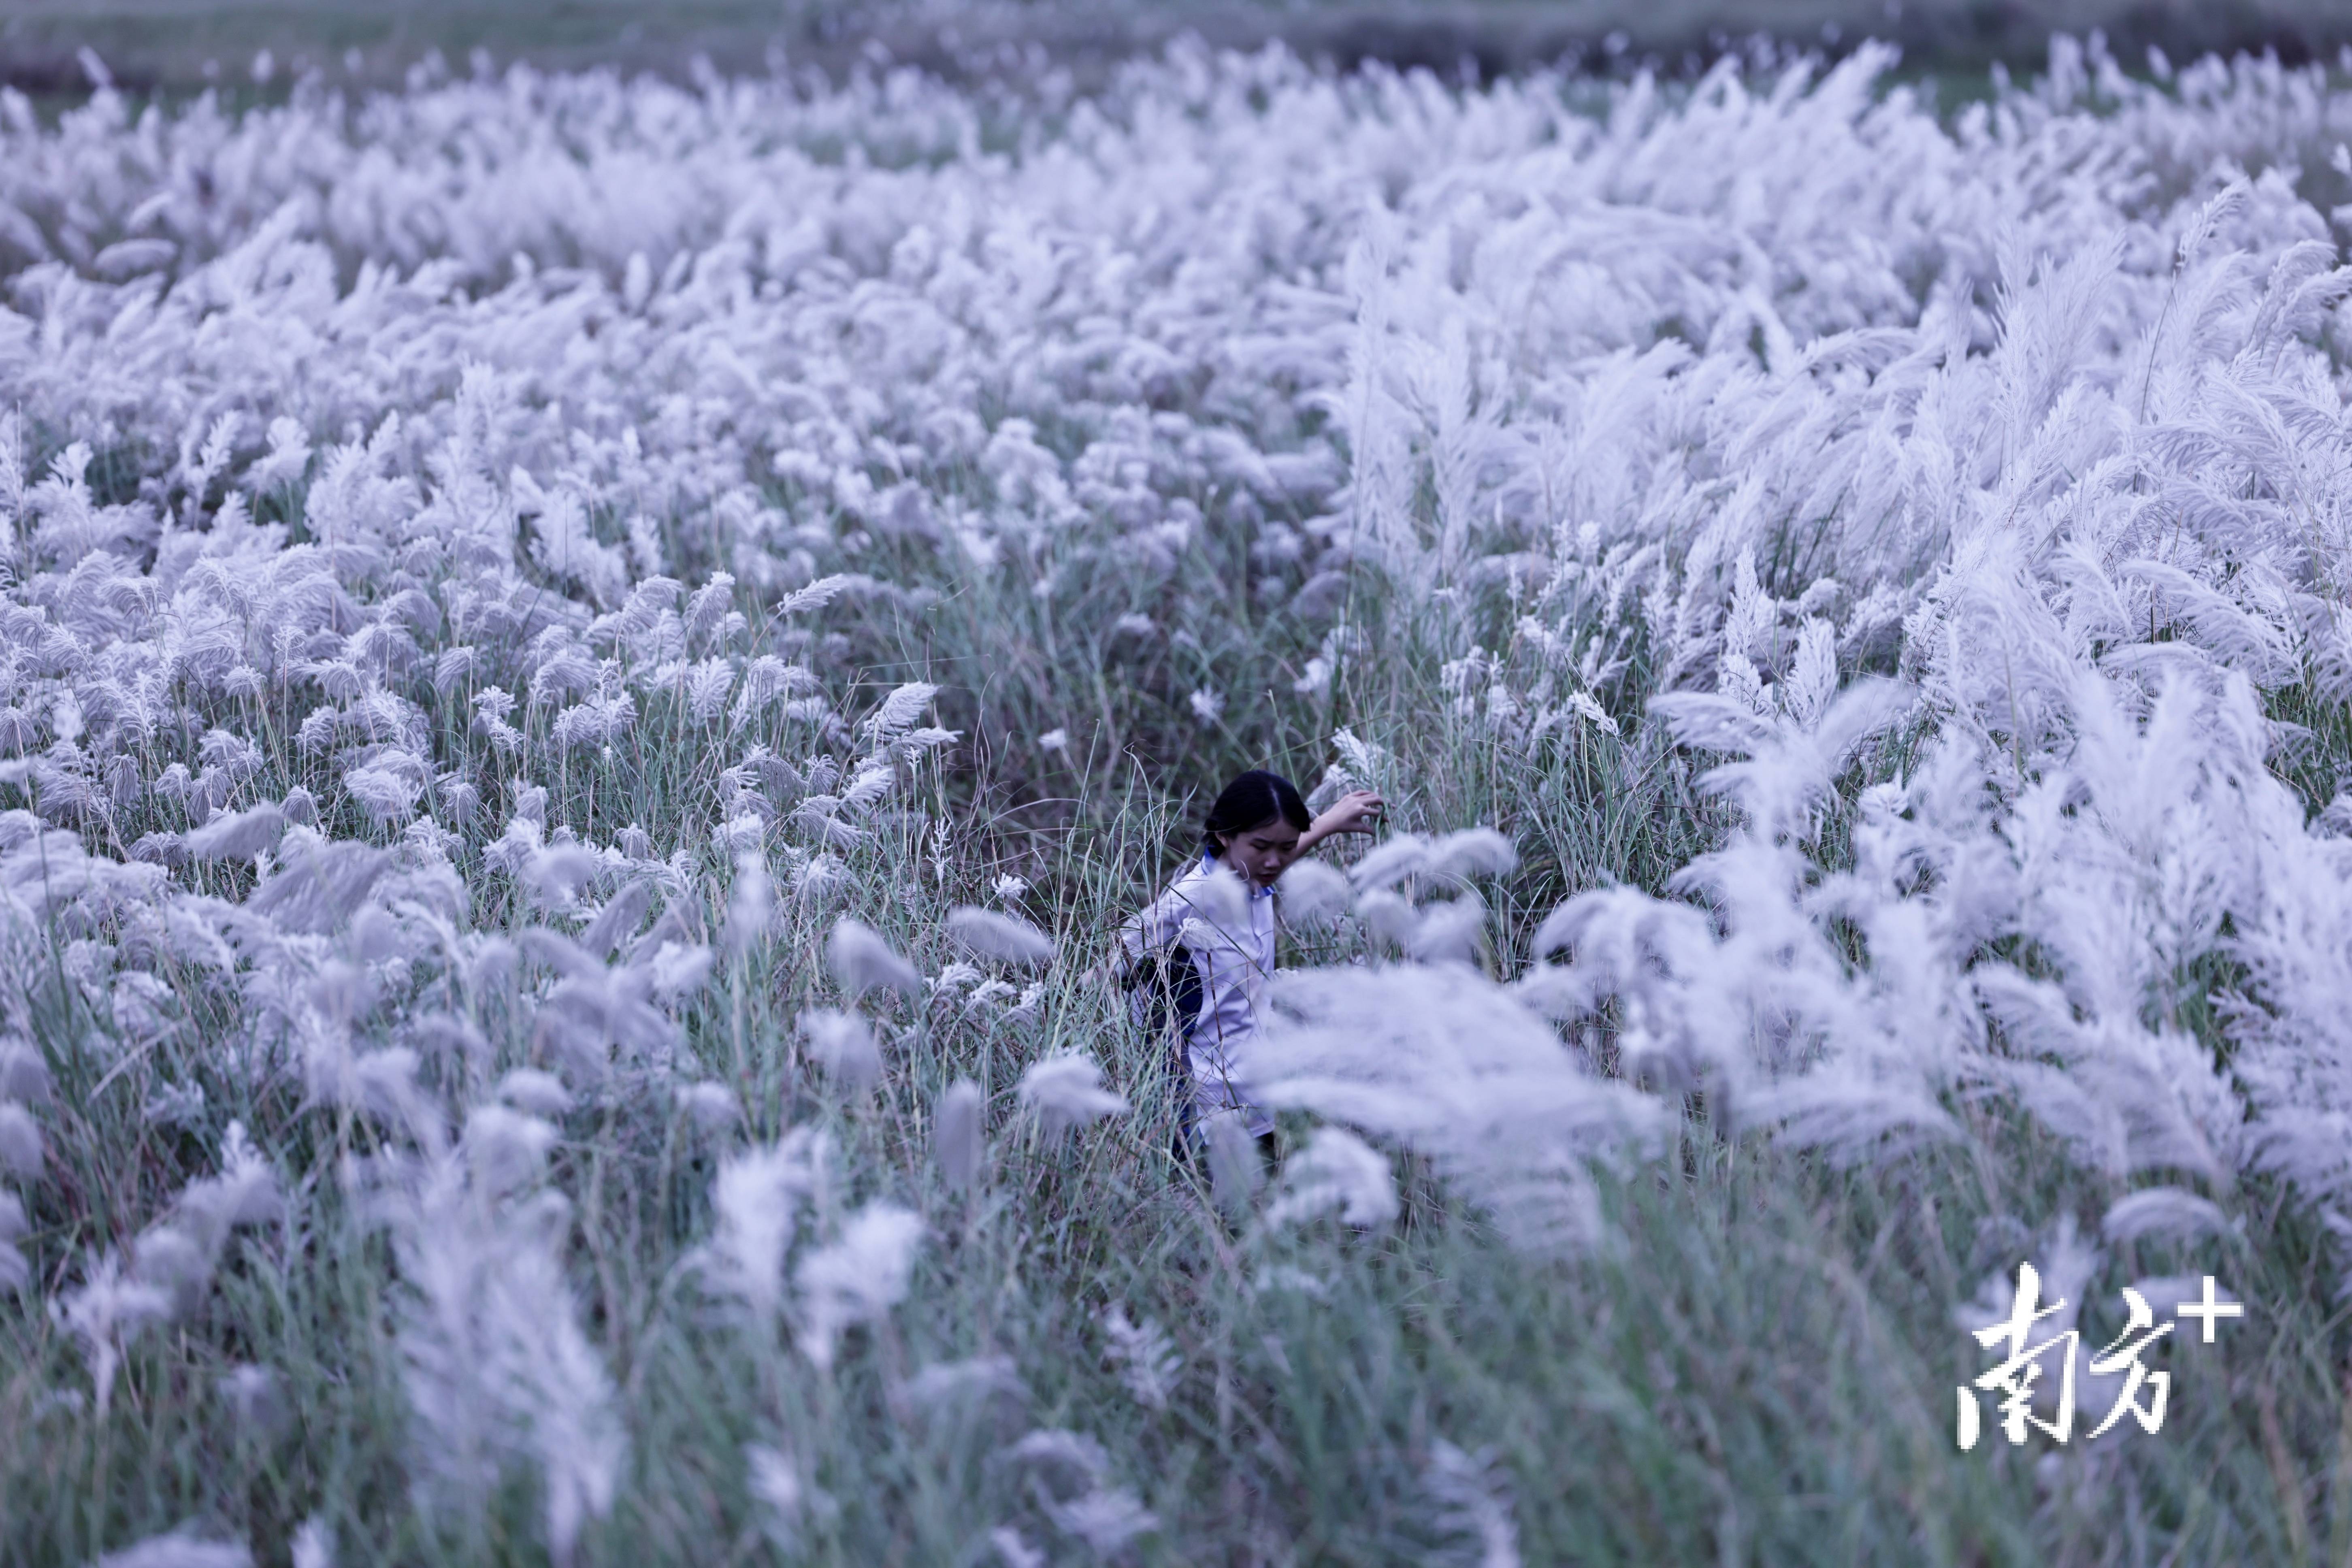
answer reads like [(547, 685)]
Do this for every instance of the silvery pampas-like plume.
[(105, 1313), (751, 906), (756, 1199), (857, 1278), (1007, 938), (1445, 1061), (775, 1480), (237, 836), (861, 961), (20, 1142), (843, 1044), (1336, 1171), (16, 1271), (1314, 894), (958, 1141), (1476, 1502), (1065, 1093), (498, 1369), (314, 1544), (1146, 1357)]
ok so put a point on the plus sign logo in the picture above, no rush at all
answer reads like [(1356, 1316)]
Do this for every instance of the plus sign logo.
[(2208, 1309), (2034, 1384)]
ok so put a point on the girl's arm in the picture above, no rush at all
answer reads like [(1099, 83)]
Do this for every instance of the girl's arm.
[(1137, 936), (1357, 811), (1152, 933), (1153, 929)]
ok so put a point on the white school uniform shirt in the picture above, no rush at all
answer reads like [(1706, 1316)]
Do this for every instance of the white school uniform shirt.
[(1233, 949)]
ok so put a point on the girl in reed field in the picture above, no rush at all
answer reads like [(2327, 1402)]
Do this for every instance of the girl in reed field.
[(1199, 955)]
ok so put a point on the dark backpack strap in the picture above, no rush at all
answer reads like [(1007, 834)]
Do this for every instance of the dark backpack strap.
[(1178, 1003), (1171, 988)]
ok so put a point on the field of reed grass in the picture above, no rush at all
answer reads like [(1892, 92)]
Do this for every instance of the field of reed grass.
[(589, 665)]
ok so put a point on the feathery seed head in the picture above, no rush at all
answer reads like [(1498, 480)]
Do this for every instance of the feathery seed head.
[(709, 1106), (843, 1044), (1064, 1092), (861, 961), (536, 1092), (1005, 937), (237, 836), (20, 1142), (958, 1141), (856, 1278), (1314, 895), (1337, 1170)]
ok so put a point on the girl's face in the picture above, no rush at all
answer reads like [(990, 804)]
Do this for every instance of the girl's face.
[(1260, 855)]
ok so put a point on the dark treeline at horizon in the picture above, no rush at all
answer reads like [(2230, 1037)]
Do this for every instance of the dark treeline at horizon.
[(173, 46)]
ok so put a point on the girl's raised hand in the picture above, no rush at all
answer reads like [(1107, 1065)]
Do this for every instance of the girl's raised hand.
[(1357, 811)]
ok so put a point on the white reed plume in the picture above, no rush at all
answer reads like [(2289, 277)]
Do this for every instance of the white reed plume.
[(1066, 1091), (1106, 1519), (959, 1142), (711, 1107), (1448, 1063), (497, 1369), (105, 1313), (756, 1199), (1450, 929), (1218, 905), (2162, 1212), (170, 1257), (20, 1142), (313, 1545), (751, 906), (843, 1044), (950, 1384), (897, 713), (16, 1271), (1146, 1359), (861, 961), (1013, 1550), (988, 933), (1314, 895), (1336, 1170), (174, 1257), (1068, 1469), (245, 1193), (503, 1148), (255, 1396), (1451, 859), (815, 596), (617, 921), (1236, 1169), (1475, 1502), (540, 1093), (856, 1278), (237, 836), (24, 1073), (1472, 852), (775, 1481)]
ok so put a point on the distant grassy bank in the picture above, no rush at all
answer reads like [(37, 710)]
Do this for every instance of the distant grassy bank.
[(185, 45)]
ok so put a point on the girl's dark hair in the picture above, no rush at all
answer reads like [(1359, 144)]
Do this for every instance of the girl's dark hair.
[(1254, 798)]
